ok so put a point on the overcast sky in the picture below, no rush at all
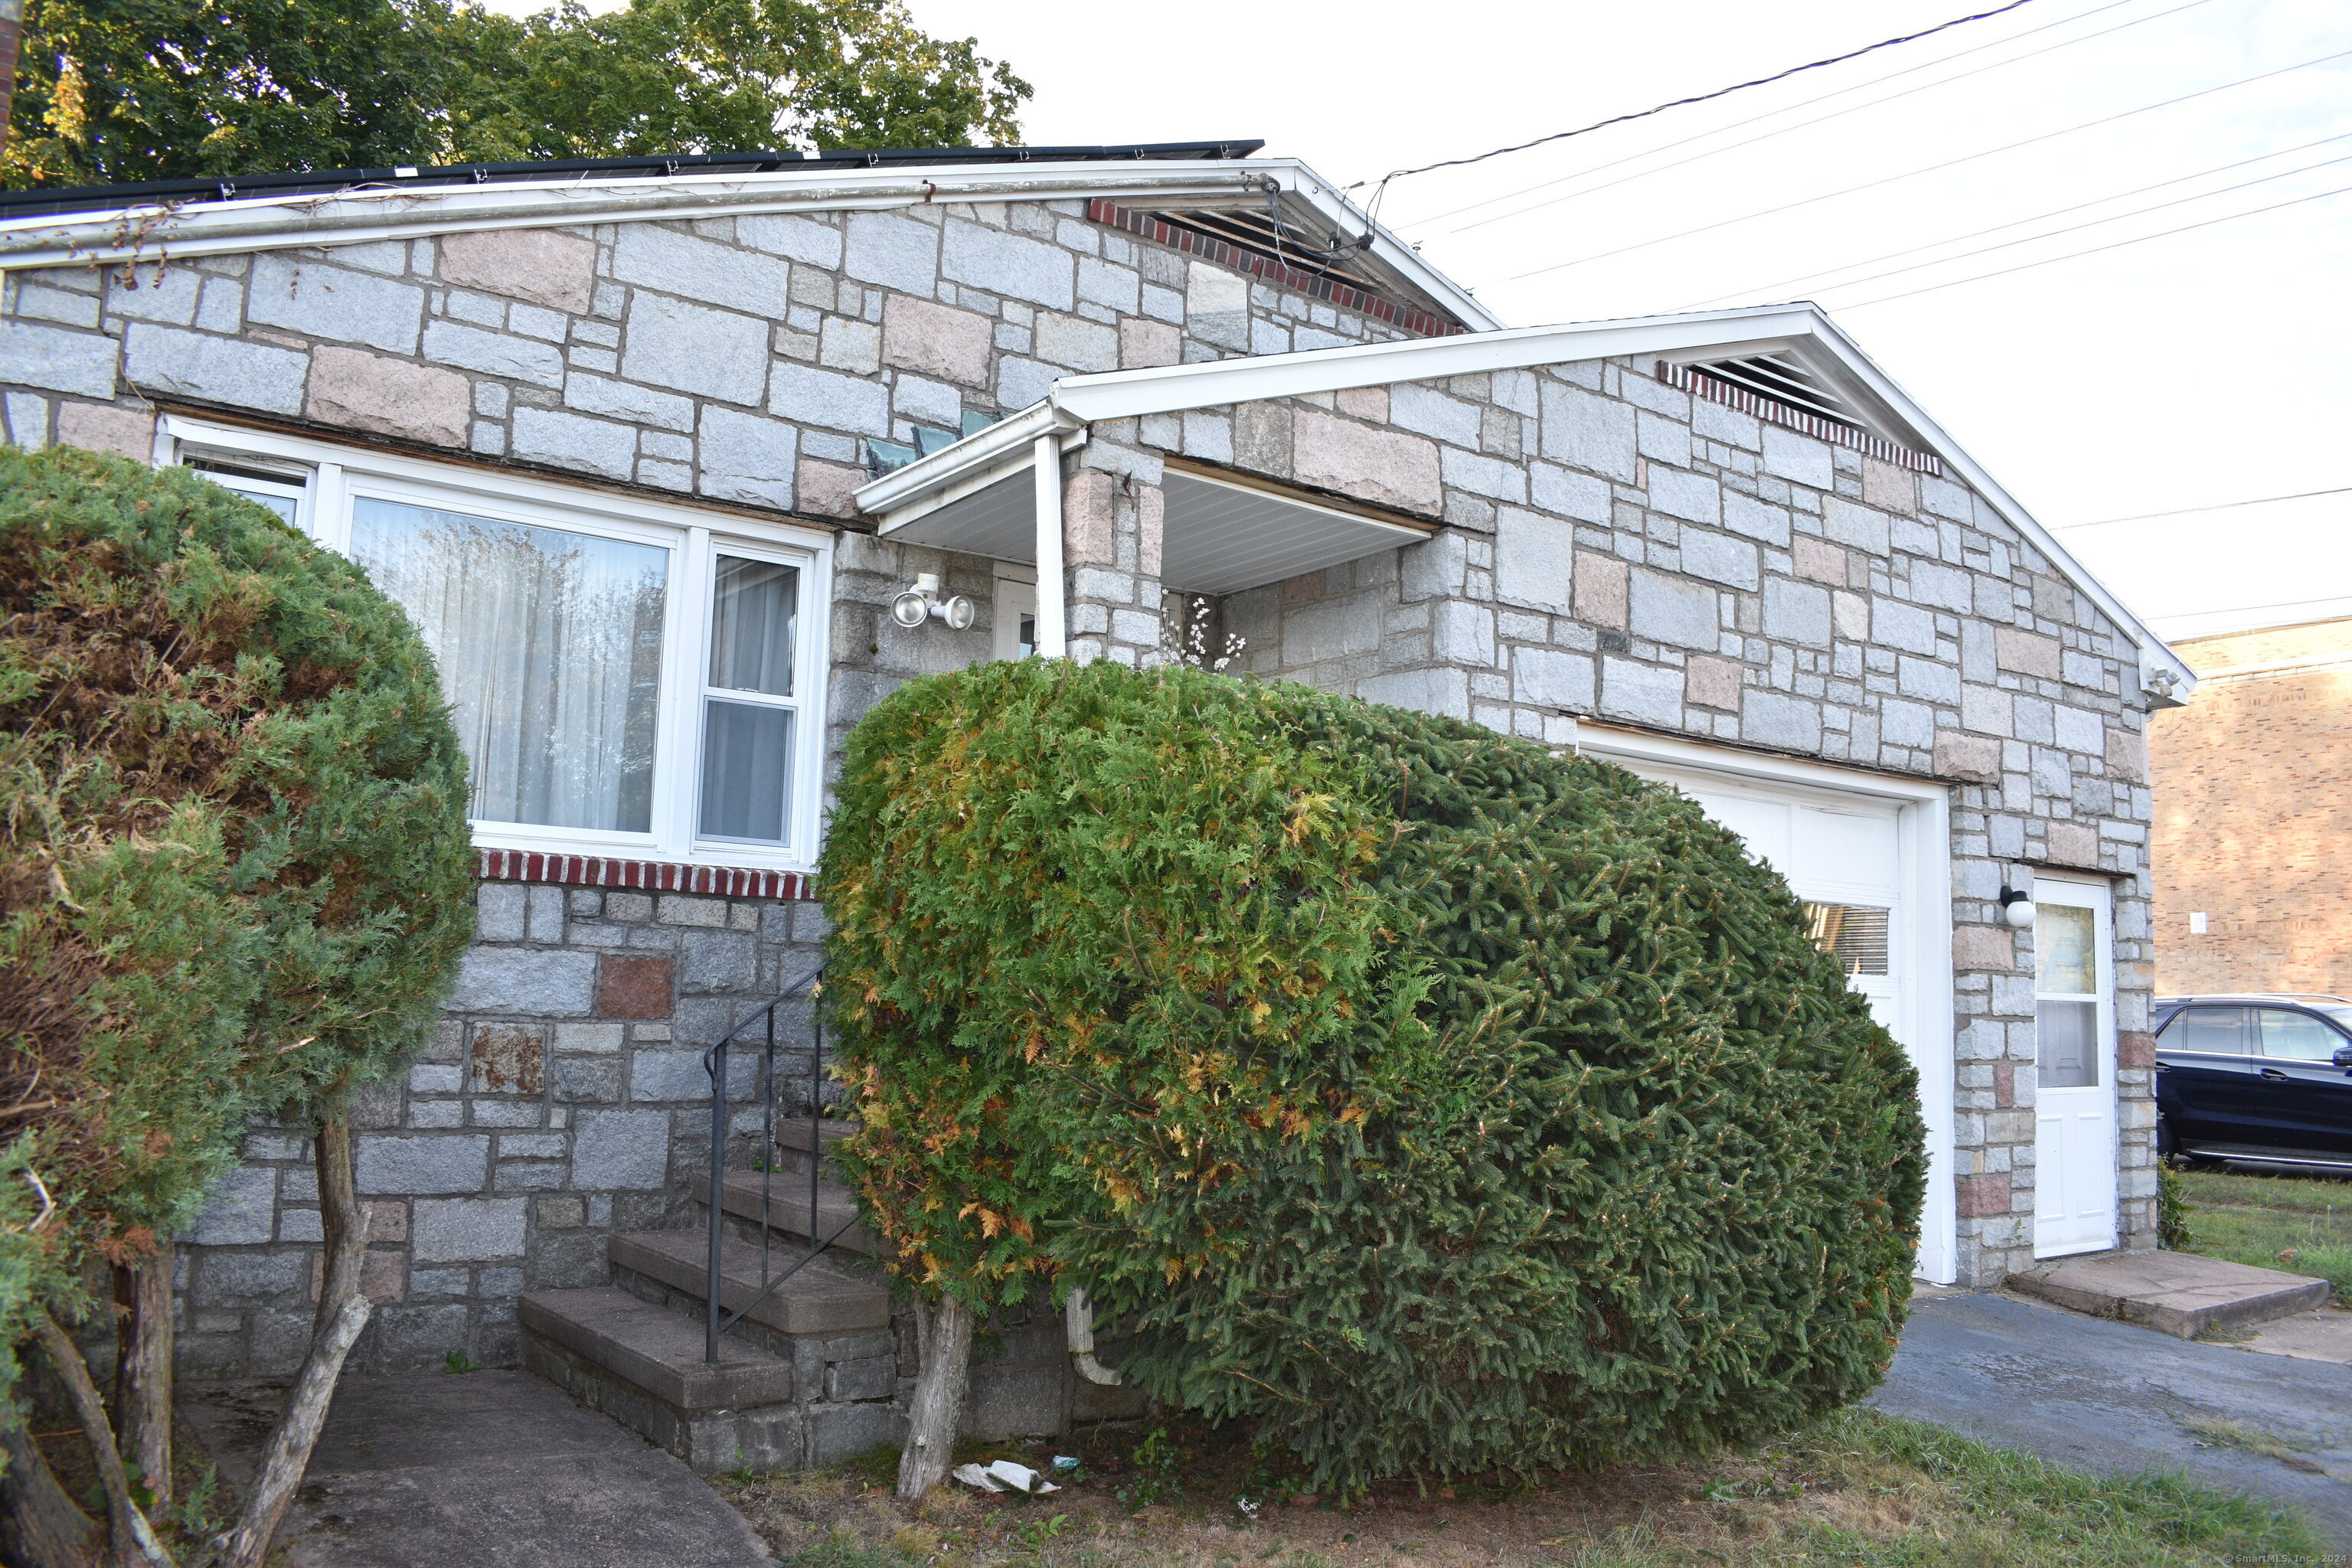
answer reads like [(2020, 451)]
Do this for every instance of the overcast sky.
[(2203, 368)]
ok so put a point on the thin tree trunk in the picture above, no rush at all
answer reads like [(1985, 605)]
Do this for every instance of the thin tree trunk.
[(39, 1525), (938, 1399), (343, 1313), (132, 1540), (142, 1370)]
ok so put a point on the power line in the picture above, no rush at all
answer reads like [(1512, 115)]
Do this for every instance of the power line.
[(1929, 169), (1698, 98), (1800, 125), (2219, 506), (2096, 249), (2048, 234)]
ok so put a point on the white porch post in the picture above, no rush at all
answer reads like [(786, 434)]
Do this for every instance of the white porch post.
[(1052, 590)]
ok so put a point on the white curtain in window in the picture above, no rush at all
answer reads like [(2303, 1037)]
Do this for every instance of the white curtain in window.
[(549, 644)]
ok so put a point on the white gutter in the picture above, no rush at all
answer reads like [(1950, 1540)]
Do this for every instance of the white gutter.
[(153, 231), (1168, 389)]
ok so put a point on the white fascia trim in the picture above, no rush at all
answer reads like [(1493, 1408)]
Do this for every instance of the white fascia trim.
[(1168, 389), (152, 232), (1005, 444), (1352, 221), (1594, 739)]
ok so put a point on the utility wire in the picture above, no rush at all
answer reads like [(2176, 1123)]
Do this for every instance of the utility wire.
[(2046, 234), (1929, 169), (2096, 249), (1697, 98), (2219, 506), (1800, 125)]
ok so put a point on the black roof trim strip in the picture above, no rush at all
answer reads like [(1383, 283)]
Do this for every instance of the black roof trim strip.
[(41, 203)]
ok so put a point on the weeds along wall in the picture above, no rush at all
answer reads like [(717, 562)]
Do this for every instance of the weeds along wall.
[(1431, 1101), (235, 876)]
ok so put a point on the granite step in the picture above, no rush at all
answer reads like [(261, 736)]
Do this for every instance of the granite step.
[(788, 1208), (827, 1295), (2176, 1293), (793, 1144), (642, 1366)]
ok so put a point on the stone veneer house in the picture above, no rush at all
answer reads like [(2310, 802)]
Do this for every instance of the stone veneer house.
[(649, 449)]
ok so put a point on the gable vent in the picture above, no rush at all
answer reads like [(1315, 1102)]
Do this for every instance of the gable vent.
[(1781, 389)]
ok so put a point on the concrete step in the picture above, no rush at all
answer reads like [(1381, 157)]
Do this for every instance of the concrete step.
[(642, 1364), (793, 1143), (788, 1208), (2176, 1293), (828, 1295), (657, 1351)]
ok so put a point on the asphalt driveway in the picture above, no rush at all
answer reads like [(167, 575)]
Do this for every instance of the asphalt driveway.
[(2109, 1397)]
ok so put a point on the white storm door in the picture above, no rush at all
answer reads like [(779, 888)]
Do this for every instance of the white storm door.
[(2074, 1068)]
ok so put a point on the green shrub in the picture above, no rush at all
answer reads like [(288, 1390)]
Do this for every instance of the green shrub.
[(235, 872), (1431, 1101)]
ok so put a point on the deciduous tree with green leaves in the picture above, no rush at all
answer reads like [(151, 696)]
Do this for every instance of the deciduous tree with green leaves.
[(117, 91)]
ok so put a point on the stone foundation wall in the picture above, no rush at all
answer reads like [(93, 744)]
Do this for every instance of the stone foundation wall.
[(563, 1097)]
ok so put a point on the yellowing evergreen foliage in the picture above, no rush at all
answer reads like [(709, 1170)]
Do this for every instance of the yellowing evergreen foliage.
[(1431, 1101), (234, 855)]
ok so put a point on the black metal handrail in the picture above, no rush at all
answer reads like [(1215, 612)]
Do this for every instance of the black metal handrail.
[(714, 1062)]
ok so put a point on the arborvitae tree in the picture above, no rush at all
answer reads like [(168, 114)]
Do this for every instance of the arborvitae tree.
[(234, 882), (1432, 1102)]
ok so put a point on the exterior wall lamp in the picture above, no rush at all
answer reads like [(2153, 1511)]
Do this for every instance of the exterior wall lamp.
[(2017, 903), (922, 603)]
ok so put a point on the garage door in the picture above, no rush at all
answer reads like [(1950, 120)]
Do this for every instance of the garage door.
[(1872, 870), (1841, 856)]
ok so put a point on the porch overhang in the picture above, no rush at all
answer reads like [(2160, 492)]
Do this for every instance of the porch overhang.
[(1222, 532)]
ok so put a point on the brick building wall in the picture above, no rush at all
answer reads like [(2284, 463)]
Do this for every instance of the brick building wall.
[(2253, 814)]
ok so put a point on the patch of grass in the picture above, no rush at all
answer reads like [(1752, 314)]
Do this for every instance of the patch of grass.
[(2301, 1224), (2220, 1433), (457, 1363), (1859, 1489)]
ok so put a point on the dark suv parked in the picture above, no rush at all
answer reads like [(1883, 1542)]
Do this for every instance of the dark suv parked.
[(2254, 1078)]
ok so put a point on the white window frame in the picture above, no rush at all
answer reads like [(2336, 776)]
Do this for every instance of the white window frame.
[(339, 475)]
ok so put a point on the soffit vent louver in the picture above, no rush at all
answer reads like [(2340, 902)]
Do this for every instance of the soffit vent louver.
[(1781, 389)]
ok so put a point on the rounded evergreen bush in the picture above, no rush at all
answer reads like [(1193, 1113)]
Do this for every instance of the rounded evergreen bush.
[(1431, 1101), (234, 863)]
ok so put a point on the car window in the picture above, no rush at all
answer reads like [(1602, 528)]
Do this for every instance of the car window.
[(2297, 1035), (2217, 1031)]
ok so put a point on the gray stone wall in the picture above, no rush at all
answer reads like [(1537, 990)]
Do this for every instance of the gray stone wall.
[(741, 361), (1619, 550), (563, 1097)]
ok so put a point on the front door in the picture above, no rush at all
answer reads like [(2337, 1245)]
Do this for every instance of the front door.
[(2074, 1059)]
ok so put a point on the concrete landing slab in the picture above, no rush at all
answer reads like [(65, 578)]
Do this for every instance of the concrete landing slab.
[(2307, 1336), (490, 1469), (2176, 1293)]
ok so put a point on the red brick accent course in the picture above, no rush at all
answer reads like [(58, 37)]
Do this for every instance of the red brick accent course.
[(634, 987), (1983, 1196), (652, 876), (2133, 1050), (2004, 1085), (1179, 237)]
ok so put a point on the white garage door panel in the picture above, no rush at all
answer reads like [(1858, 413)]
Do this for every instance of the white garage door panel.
[(1838, 848)]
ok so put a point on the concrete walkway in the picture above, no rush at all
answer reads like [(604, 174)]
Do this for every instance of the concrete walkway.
[(490, 1469), (2116, 1399)]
